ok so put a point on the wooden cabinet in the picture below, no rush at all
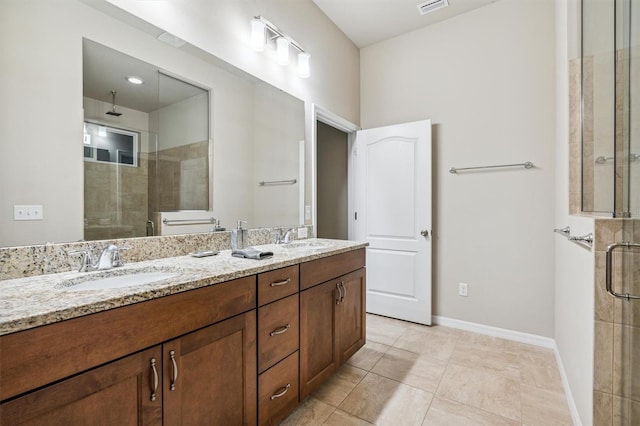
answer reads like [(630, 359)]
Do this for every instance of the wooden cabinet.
[(332, 316), (278, 342), (210, 375), (212, 369), (278, 391), (236, 353), (124, 392)]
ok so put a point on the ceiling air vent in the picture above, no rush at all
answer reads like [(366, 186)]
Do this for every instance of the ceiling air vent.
[(431, 6)]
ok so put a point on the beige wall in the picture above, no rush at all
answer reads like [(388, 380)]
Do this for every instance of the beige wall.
[(486, 79)]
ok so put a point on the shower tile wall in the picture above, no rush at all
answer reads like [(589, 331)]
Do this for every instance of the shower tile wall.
[(616, 396), (178, 178), (575, 139), (115, 200)]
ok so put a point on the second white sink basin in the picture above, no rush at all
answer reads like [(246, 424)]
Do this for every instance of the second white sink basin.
[(118, 281), (307, 245)]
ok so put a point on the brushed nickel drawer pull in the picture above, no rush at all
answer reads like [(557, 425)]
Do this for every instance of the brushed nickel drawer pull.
[(282, 392), (280, 330), (343, 292), (339, 298), (279, 283), (174, 370), (154, 381)]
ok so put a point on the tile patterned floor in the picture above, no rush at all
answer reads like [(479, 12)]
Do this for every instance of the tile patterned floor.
[(408, 374)]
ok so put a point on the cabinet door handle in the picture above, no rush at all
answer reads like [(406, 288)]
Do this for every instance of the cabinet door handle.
[(339, 298), (343, 292), (280, 330), (279, 283), (282, 391), (154, 379), (174, 370)]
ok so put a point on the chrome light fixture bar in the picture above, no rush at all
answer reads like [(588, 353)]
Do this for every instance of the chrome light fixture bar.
[(263, 31)]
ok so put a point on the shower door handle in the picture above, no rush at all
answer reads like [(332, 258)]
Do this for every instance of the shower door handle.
[(609, 269)]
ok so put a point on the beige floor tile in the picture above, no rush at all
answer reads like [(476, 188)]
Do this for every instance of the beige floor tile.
[(368, 355), (538, 367), (494, 359), (497, 394), (310, 412), (376, 320), (410, 368), (336, 389), (340, 418), (385, 333), (544, 407), (444, 412), (426, 342), (383, 401)]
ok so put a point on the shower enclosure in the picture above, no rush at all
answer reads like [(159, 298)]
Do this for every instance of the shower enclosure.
[(610, 175)]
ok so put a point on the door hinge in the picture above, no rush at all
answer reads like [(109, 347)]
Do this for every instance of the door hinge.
[(356, 216)]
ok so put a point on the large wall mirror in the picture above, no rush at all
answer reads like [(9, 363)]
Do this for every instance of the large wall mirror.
[(198, 139)]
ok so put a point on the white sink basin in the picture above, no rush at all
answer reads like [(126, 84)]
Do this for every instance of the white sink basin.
[(131, 279), (307, 245)]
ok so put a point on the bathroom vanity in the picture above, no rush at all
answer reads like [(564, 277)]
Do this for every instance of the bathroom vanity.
[(228, 341)]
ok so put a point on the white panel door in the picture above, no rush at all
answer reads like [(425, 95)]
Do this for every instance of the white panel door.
[(393, 204)]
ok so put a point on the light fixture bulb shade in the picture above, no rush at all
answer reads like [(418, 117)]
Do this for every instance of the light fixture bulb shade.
[(282, 51), (304, 65), (258, 35)]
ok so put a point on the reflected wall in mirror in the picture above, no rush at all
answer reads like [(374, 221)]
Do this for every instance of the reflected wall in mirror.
[(146, 151), (254, 136)]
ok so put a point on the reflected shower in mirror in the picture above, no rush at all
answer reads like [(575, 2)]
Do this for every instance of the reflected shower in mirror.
[(146, 144)]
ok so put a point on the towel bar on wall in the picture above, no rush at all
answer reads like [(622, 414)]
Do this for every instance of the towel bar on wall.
[(586, 240), (527, 165), (609, 269), (188, 221), (278, 182)]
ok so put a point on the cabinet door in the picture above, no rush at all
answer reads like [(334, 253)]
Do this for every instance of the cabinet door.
[(118, 393), (210, 375), (319, 355), (350, 320)]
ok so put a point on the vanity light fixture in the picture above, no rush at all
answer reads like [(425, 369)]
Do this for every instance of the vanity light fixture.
[(264, 32), (135, 80)]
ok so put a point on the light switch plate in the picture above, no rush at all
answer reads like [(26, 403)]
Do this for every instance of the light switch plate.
[(307, 212), (302, 232), (31, 212)]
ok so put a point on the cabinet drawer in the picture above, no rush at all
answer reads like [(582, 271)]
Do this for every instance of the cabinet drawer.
[(278, 391), (318, 271), (274, 285), (278, 331)]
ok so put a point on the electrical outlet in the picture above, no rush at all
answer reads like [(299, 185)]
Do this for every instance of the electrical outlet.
[(307, 212), (302, 232), (463, 289), (28, 213)]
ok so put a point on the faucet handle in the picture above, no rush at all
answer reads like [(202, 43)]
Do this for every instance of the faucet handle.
[(87, 262), (116, 261)]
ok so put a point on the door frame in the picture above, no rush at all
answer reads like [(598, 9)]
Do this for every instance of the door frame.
[(319, 113)]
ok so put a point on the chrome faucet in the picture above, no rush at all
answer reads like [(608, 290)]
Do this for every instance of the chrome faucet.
[(284, 237), (109, 258)]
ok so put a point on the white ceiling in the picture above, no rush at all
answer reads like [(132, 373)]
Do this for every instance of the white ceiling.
[(367, 22), (105, 69)]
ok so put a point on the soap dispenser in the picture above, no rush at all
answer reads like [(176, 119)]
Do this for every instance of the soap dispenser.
[(239, 236)]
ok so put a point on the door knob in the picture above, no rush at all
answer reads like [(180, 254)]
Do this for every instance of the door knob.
[(424, 233)]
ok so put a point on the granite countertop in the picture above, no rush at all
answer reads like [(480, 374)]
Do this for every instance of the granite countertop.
[(35, 301)]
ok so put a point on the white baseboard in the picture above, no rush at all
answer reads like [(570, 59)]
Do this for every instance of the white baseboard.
[(517, 336)]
